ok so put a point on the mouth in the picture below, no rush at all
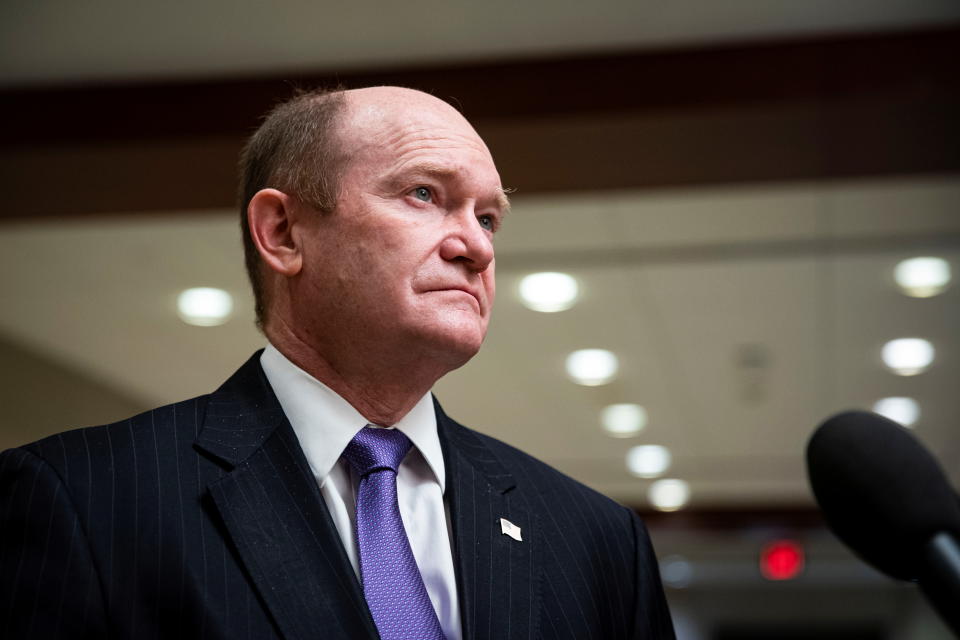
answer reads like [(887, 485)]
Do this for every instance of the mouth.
[(473, 294)]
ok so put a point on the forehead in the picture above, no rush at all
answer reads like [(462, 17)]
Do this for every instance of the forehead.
[(395, 128), (392, 111)]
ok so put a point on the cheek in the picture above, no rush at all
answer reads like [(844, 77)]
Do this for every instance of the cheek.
[(396, 246), (371, 255), (490, 282)]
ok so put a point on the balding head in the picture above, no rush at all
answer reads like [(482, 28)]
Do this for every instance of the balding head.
[(373, 110)]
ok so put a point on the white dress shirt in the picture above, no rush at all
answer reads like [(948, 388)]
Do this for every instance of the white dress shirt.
[(324, 424)]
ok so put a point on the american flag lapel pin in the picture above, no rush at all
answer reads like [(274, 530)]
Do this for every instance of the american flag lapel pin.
[(509, 529)]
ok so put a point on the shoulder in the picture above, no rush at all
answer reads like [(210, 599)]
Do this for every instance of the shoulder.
[(158, 432), (85, 451)]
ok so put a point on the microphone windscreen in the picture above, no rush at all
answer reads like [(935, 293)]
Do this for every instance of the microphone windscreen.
[(881, 491)]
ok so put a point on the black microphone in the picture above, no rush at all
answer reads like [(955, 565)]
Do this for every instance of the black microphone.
[(886, 497)]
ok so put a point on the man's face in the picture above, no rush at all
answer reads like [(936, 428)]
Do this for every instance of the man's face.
[(406, 257)]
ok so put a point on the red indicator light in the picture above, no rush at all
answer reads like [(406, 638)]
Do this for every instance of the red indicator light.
[(781, 560)]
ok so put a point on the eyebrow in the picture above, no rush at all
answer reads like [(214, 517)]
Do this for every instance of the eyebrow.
[(441, 172), (503, 201)]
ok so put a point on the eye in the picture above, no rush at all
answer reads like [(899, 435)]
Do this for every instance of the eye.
[(422, 193), (488, 222)]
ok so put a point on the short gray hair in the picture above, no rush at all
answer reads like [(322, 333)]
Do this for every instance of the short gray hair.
[(295, 151)]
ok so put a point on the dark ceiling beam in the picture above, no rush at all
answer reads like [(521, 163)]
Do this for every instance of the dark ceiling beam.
[(814, 109)]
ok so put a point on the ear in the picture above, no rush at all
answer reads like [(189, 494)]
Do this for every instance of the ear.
[(271, 215)]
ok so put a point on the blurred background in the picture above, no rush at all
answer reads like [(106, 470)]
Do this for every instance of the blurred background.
[(742, 207)]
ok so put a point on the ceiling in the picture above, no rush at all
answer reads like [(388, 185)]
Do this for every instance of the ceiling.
[(678, 282), (63, 42)]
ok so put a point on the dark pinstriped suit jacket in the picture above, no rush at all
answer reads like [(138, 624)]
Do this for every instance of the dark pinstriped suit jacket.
[(202, 519)]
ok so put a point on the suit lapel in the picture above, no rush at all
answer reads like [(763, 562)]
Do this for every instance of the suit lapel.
[(275, 516), (497, 576)]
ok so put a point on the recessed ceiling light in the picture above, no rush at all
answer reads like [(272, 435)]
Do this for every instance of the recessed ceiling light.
[(648, 460), (922, 277), (906, 411), (908, 356), (623, 420), (204, 306), (669, 495), (676, 571), (592, 367), (548, 291)]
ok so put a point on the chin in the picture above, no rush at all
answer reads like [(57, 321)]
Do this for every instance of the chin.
[(454, 343)]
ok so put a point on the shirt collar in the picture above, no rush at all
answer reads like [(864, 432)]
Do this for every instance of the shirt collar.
[(325, 423)]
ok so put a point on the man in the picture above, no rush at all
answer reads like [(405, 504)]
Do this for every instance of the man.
[(256, 511)]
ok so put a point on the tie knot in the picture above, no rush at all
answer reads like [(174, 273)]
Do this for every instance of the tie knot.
[(375, 449)]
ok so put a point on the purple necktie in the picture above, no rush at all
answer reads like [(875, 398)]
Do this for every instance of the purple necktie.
[(392, 583)]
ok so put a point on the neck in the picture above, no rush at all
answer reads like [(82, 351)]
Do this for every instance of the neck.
[(382, 384)]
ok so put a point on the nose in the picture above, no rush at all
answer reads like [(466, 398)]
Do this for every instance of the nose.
[(468, 242)]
